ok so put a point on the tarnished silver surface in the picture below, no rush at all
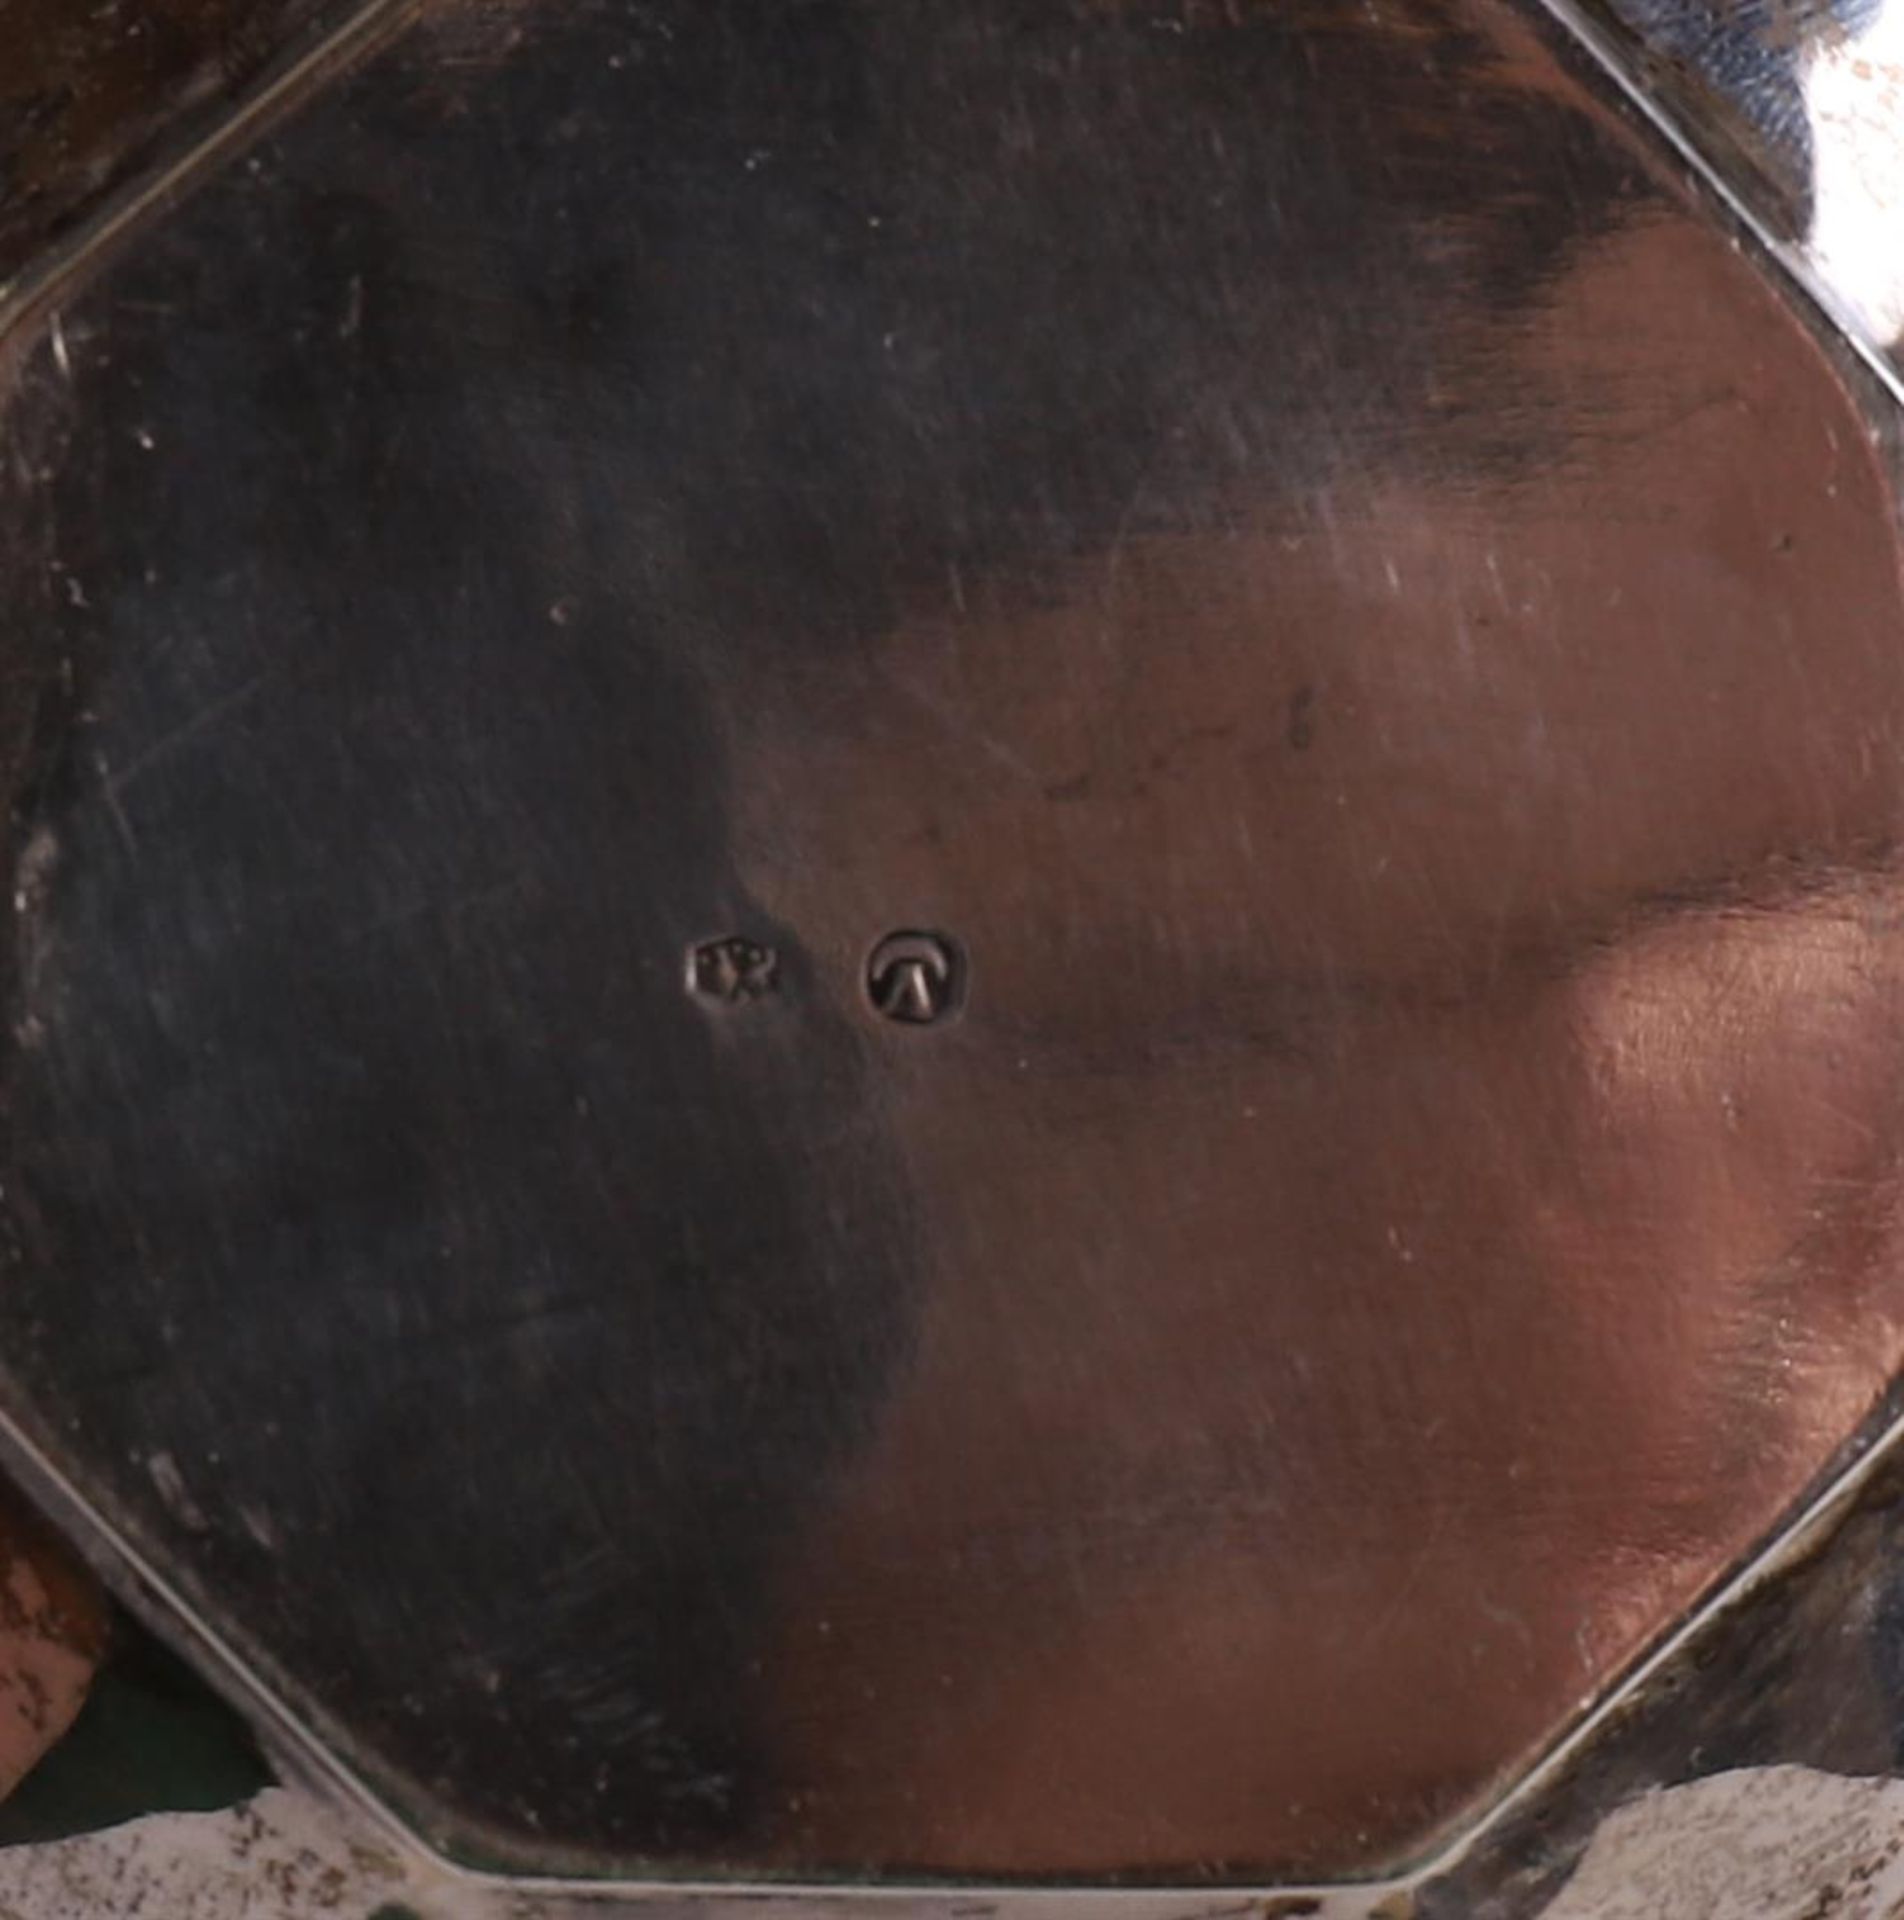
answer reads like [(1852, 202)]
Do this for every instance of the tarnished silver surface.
[(965, 940)]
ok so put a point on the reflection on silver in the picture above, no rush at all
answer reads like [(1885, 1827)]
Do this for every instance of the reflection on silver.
[(1854, 102), (1797, 106)]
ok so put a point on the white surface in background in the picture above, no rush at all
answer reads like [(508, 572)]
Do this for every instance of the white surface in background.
[(282, 1856), (290, 1855), (1779, 1843), (1775, 1843), (1854, 99)]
